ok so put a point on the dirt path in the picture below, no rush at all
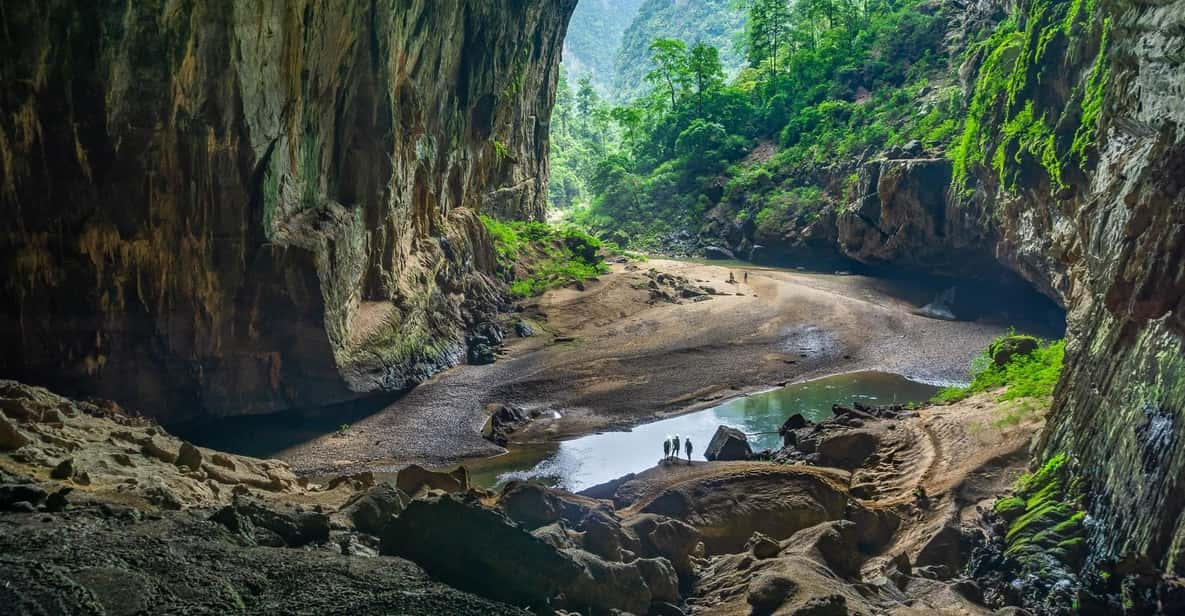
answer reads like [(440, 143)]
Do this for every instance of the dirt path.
[(606, 358)]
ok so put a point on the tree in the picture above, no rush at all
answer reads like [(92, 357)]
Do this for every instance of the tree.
[(670, 66), (766, 33), (706, 72)]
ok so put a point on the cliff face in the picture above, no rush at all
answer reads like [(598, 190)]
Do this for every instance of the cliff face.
[(226, 207), (1074, 180), (1120, 409)]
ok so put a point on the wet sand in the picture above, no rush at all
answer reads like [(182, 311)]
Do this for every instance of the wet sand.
[(604, 358)]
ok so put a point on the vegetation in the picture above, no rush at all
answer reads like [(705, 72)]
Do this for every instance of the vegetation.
[(1028, 376), (714, 23), (822, 85), (594, 36), (1044, 514), (1021, 52), (535, 257), (825, 80)]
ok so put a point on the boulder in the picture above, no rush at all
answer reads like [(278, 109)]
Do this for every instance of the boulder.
[(469, 546), (533, 505), (768, 591), (1003, 350), (11, 437), (158, 448), (605, 586), (793, 422), (370, 511), (728, 444), (414, 478), (259, 522), (522, 329), (727, 510), (556, 535), (834, 544), (847, 449), (504, 420), (762, 546), (948, 550), (13, 494), (663, 537), (189, 456), (719, 253), (661, 578), (602, 535), (64, 471)]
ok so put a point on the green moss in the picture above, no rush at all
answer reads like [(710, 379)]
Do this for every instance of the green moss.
[(1092, 101), (1006, 125), (1044, 513), (1010, 507)]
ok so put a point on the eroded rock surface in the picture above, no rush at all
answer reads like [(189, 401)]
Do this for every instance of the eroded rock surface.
[(218, 207)]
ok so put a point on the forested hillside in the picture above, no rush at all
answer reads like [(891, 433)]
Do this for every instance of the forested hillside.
[(594, 36), (712, 22), (825, 85)]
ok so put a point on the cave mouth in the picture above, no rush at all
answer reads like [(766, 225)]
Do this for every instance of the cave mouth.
[(1006, 300)]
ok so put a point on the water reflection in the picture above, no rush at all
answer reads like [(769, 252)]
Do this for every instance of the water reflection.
[(584, 462)]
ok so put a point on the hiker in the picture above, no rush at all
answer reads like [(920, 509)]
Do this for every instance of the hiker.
[(675, 446), (746, 277), (666, 449), (687, 445)]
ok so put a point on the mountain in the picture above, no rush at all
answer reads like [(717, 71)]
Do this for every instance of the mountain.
[(594, 36), (715, 22)]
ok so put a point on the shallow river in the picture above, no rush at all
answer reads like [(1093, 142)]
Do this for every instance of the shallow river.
[(587, 461)]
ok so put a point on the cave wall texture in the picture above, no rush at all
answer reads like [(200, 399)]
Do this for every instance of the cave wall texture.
[(1120, 408), (1091, 212), (215, 207)]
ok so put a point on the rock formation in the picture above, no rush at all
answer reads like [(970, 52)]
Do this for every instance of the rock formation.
[(224, 207)]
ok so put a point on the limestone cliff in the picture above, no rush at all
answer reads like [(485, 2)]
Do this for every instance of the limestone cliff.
[(236, 207), (1120, 409), (1075, 180)]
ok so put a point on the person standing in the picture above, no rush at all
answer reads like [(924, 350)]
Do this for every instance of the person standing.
[(666, 449), (675, 446), (687, 445)]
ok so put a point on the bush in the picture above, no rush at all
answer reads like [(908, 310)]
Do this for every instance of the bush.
[(1026, 376), (551, 256)]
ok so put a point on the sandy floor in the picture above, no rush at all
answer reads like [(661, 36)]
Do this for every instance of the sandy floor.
[(604, 358)]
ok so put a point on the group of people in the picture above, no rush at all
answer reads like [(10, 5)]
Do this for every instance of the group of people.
[(670, 448)]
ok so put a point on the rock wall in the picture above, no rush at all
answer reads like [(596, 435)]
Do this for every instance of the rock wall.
[(1079, 188), (236, 207), (1120, 408)]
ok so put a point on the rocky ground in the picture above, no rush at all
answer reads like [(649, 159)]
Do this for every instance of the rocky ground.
[(648, 340), (104, 513)]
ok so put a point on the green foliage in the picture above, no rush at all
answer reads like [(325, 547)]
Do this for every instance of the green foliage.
[(1025, 377), (831, 80), (550, 256), (713, 23), (1092, 103)]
